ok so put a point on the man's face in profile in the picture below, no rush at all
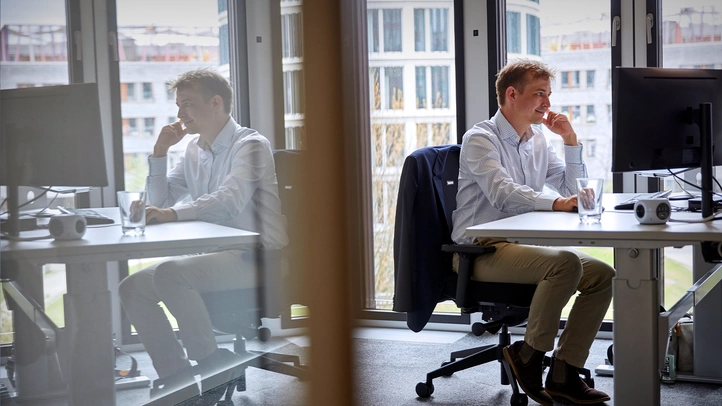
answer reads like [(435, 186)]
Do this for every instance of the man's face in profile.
[(194, 111), (533, 102)]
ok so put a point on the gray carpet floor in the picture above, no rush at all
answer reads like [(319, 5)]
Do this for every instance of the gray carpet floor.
[(387, 371)]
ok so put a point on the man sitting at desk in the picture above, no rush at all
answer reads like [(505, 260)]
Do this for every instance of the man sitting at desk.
[(229, 174), (504, 164)]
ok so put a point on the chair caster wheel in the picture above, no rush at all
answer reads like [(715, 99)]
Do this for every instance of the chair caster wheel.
[(264, 334), (445, 363), (424, 390), (478, 329), (610, 354), (519, 399)]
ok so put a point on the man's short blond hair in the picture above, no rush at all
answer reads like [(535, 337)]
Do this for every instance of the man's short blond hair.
[(208, 82), (518, 74)]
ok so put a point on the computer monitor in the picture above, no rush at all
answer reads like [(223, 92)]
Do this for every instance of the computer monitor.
[(668, 118), (50, 136)]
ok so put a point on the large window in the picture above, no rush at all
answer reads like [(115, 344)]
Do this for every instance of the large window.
[(412, 101), (575, 43), (154, 49)]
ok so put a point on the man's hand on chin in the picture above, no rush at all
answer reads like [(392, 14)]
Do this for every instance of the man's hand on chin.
[(154, 215)]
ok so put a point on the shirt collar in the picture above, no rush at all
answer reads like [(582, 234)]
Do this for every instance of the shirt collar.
[(506, 131)]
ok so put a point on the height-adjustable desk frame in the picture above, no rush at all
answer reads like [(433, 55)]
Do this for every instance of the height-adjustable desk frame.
[(640, 334), (87, 344)]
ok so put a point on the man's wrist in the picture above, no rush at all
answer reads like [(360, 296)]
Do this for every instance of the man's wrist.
[(571, 140), (555, 205), (159, 152)]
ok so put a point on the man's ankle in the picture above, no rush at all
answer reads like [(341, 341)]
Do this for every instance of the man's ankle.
[(526, 352)]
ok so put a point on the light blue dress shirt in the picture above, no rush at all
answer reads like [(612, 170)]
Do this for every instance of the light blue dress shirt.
[(232, 184), (502, 175)]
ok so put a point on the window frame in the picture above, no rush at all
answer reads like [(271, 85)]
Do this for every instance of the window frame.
[(467, 94), (494, 57)]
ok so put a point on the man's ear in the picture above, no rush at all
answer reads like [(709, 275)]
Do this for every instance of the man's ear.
[(217, 101), (511, 94)]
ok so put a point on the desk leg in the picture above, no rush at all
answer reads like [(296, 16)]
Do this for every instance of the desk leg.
[(707, 325), (88, 323), (636, 320), (36, 371)]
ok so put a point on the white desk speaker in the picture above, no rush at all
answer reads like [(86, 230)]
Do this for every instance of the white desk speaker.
[(652, 211), (67, 226)]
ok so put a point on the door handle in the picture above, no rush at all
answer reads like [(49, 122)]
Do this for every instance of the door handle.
[(616, 26)]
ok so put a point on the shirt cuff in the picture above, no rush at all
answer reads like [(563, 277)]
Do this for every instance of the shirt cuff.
[(573, 154), (157, 166), (185, 212), (544, 202)]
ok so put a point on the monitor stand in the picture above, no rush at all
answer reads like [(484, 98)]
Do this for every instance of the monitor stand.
[(703, 118), (12, 224)]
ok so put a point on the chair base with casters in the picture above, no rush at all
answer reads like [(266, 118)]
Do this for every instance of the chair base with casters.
[(512, 309), (424, 274), (238, 312)]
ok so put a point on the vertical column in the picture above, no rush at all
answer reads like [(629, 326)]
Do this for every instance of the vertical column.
[(636, 321), (707, 325), (88, 324)]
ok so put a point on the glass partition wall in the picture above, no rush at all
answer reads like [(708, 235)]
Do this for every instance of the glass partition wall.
[(33, 53), (690, 34)]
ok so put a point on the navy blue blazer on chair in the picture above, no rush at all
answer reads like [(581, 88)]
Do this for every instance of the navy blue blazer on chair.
[(428, 187)]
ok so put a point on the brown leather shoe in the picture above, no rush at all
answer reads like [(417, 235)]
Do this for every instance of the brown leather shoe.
[(563, 381), (529, 375)]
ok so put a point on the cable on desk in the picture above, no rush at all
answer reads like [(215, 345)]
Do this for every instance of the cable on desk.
[(708, 218), (5, 236)]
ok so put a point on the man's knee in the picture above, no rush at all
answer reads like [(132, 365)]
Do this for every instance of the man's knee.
[(602, 273), (126, 288), (570, 266), (167, 273)]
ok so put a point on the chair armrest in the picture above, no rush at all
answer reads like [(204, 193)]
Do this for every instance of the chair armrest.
[(468, 248), (467, 255)]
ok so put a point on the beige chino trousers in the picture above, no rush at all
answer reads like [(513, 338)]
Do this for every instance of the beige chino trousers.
[(558, 274), (178, 283)]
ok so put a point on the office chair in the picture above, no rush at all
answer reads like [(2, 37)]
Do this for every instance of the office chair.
[(240, 311), (423, 253)]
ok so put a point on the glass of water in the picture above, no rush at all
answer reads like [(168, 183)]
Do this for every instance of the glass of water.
[(132, 212), (589, 199)]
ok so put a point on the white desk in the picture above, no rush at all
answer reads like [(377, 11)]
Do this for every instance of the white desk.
[(639, 336), (88, 333)]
